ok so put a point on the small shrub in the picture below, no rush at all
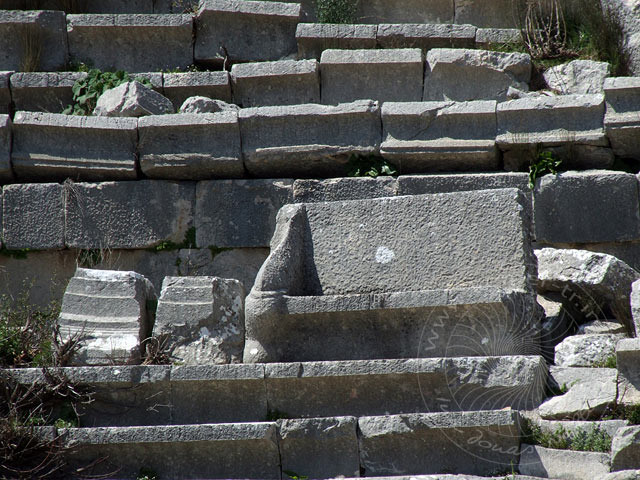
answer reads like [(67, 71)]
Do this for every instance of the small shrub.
[(369, 166), (630, 413), (336, 11), (594, 440), (546, 163)]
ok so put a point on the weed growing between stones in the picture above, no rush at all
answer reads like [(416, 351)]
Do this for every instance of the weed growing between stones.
[(336, 11), (630, 413), (369, 166), (167, 245), (294, 476), (594, 440), (546, 163), (147, 474), (31, 44)]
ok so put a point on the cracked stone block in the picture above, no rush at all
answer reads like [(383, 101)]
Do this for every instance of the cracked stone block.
[(43, 91), (202, 319), (426, 35), (91, 38), (622, 120), (222, 26), (180, 86), (314, 38), (108, 310), (436, 136), (286, 82), (386, 75), (190, 146), (33, 216)]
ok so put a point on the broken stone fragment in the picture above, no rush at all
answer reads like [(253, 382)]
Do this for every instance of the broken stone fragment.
[(578, 77), (132, 99), (587, 350), (201, 319), (199, 104)]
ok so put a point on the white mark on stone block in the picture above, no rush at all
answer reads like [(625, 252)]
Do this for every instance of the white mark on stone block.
[(204, 332), (254, 351), (485, 340), (384, 255)]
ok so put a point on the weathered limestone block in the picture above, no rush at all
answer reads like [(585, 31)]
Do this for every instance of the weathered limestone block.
[(108, 309), (348, 188), (575, 122), (572, 206), (551, 463), (405, 11), (586, 350), (125, 215), (181, 452), (33, 216), (446, 183), (91, 37), (487, 37), (327, 267), (323, 447), (426, 35), (463, 442), (53, 146), (433, 136), (314, 38), (625, 449), (496, 13), (222, 26), (206, 105), (286, 82), (578, 77), (6, 173), (628, 361), (600, 283), (180, 86), (132, 99), (201, 319), (622, 120), (386, 75), (308, 140), (239, 213), (33, 40), (462, 75), (43, 91), (588, 396), (5, 92), (190, 146)]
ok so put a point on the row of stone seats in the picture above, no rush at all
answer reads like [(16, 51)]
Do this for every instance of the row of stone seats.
[(102, 6)]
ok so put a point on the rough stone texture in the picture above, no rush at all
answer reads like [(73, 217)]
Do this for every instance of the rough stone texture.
[(202, 319), (550, 463), (462, 75), (586, 350), (314, 38), (51, 146), (36, 40), (33, 216), (222, 26), (379, 387), (622, 120), (308, 140), (180, 86), (426, 36), (5, 92), (600, 283), (181, 452), (132, 99), (91, 40), (6, 172), (625, 449), (635, 304), (321, 447), (627, 11), (623, 475), (190, 146), (387, 75), (601, 327), (627, 361), (349, 188), (496, 13), (437, 136), (206, 105), (446, 183), (487, 37), (174, 6), (239, 213), (574, 428), (588, 397), (470, 442), (571, 207), (43, 91), (287, 82), (128, 214), (405, 11), (574, 121), (108, 309), (578, 77), (366, 270)]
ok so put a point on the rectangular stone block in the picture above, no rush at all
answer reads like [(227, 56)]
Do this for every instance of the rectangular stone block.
[(444, 183), (222, 26), (321, 447), (436, 136), (33, 216), (314, 38), (49, 146), (529, 125), (43, 91), (487, 37), (238, 213), (405, 11), (190, 146), (334, 189), (426, 36), (553, 463), (478, 443), (286, 82), (126, 215), (181, 452), (5, 93), (622, 119), (587, 207), (496, 13), (33, 40), (84, 6), (91, 37), (308, 140), (180, 86), (6, 172), (389, 75)]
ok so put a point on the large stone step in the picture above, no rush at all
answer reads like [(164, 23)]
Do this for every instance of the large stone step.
[(170, 395), (103, 6)]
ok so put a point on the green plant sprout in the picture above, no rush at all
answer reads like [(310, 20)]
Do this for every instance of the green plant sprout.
[(369, 166), (546, 163)]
